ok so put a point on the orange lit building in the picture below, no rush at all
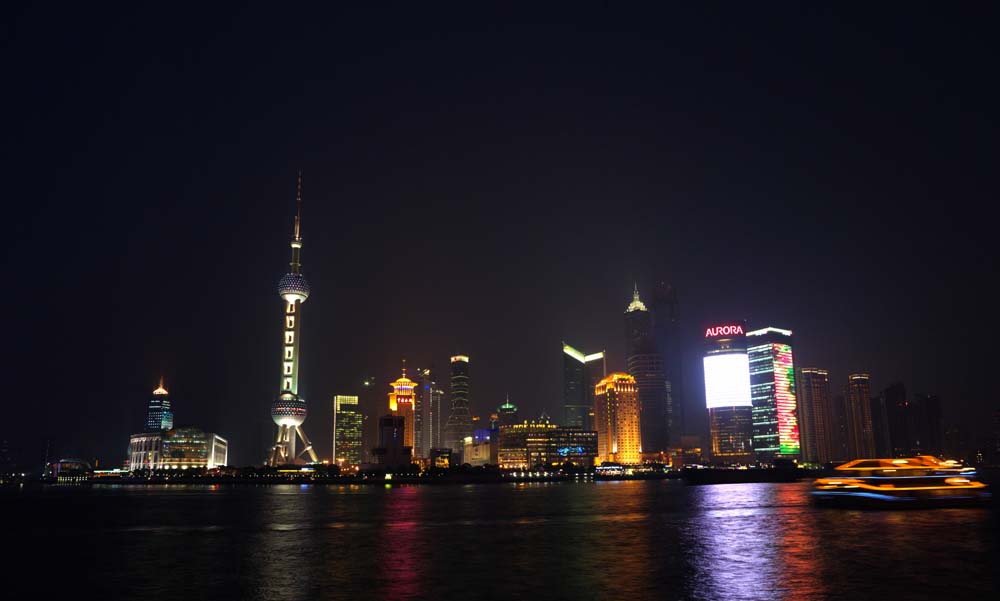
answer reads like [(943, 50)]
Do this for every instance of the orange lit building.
[(401, 404), (616, 411)]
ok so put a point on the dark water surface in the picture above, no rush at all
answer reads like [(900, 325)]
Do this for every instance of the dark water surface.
[(607, 540)]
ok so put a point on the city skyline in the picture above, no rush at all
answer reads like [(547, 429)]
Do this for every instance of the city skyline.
[(497, 203)]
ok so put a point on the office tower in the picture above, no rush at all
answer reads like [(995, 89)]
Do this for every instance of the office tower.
[(507, 413), (459, 420), (646, 366), (423, 413), (371, 405), (435, 416), (346, 430), (932, 431), (401, 404), (860, 438), (817, 424), (667, 336), (392, 452), (580, 374), (727, 393), (159, 415), (616, 411), (880, 426), (914, 422), (289, 410), (772, 393)]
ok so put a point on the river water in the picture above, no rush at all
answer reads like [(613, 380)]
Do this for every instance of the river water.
[(604, 540)]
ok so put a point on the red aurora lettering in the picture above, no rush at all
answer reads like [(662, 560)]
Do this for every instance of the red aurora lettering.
[(723, 331)]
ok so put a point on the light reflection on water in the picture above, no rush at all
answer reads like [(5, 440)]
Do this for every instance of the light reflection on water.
[(630, 540)]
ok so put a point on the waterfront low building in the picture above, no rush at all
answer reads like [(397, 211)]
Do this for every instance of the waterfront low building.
[(540, 442), (144, 451), (185, 448), (180, 448)]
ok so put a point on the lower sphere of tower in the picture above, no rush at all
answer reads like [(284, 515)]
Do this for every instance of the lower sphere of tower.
[(288, 410)]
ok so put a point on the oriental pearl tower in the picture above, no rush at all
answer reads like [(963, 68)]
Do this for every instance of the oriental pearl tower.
[(289, 410)]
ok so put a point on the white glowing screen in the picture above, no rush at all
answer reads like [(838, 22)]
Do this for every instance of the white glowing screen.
[(727, 380)]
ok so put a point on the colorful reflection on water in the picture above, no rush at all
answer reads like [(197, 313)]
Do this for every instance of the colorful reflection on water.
[(606, 540)]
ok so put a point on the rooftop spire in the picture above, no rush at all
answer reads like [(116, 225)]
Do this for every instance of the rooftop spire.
[(636, 304)]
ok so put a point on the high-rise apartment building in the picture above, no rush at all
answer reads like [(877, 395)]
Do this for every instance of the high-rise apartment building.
[(616, 412), (860, 437), (727, 393), (667, 336), (773, 394), (459, 420), (817, 423), (346, 431), (159, 415), (646, 366), (581, 372)]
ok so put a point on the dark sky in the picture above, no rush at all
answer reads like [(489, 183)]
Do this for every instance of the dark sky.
[(483, 181)]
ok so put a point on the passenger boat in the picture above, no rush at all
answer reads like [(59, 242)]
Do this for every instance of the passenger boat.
[(922, 481)]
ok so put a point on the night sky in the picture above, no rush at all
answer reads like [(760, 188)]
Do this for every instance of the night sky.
[(482, 181)]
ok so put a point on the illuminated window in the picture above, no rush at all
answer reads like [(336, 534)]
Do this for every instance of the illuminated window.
[(288, 383), (288, 352), (288, 368), (291, 308), (289, 322), (289, 337)]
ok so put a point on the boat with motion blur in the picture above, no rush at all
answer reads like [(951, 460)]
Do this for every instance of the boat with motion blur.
[(922, 481)]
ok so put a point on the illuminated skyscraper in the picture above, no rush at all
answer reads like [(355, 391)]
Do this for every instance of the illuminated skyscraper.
[(772, 392), (435, 411), (346, 430), (727, 393), (616, 411), (159, 415), (646, 366), (423, 412), (507, 413), (817, 423), (459, 420), (858, 416), (581, 373), (667, 335), (289, 410), (401, 405)]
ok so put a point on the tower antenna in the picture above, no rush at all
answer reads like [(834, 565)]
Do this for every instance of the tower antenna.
[(298, 206)]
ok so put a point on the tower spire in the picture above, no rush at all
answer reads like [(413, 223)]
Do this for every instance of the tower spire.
[(298, 206), (296, 262)]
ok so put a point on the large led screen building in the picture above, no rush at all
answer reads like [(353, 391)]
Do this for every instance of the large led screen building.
[(772, 392), (727, 392)]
